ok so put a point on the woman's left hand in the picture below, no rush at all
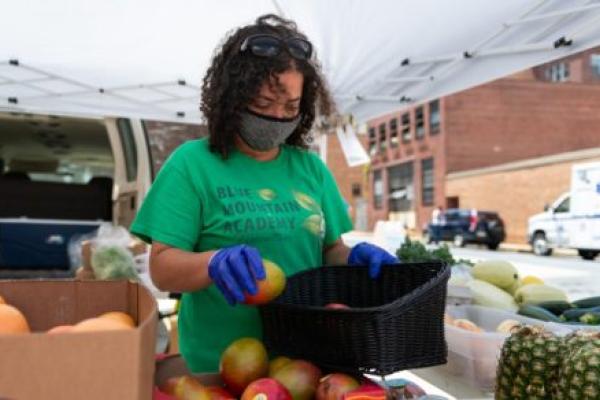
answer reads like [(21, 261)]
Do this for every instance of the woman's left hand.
[(371, 255)]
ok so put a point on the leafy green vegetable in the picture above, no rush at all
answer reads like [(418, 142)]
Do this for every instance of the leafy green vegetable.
[(113, 262), (590, 318), (415, 251)]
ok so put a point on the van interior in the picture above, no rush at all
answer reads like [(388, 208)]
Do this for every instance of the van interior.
[(56, 184), (53, 167)]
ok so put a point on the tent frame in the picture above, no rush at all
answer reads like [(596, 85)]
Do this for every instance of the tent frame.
[(439, 67), (178, 100)]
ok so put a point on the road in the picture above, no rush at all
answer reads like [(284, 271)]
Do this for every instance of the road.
[(577, 277)]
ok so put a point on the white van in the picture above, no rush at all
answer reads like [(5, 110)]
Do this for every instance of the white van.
[(61, 176), (573, 220)]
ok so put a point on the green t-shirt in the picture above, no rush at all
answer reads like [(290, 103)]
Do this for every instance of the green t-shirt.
[(289, 208)]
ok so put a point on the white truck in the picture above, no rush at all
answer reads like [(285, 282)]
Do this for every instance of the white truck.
[(573, 220)]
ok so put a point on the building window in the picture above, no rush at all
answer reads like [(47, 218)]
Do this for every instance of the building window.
[(382, 138), (377, 189), (434, 117), (595, 64), (419, 123), (563, 71), (558, 72), (453, 202), (405, 127), (393, 132), (372, 142), (356, 190), (427, 181), (400, 186)]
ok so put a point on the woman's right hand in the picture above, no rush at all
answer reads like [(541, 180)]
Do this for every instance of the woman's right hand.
[(234, 270)]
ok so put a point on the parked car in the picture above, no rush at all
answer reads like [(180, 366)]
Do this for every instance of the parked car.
[(464, 226), (573, 220)]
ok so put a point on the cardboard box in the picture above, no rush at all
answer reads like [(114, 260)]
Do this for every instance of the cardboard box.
[(83, 273), (90, 365)]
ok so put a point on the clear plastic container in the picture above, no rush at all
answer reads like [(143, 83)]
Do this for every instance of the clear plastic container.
[(474, 355)]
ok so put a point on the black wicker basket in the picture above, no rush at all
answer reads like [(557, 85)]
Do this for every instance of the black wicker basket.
[(395, 322)]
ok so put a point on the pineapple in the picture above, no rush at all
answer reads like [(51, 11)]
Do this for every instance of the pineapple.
[(575, 340), (528, 367), (579, 376)]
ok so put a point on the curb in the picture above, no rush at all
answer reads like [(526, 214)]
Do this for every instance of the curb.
[(523, 248)]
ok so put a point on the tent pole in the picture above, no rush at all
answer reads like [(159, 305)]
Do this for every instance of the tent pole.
[(560, 13), (278, 8)]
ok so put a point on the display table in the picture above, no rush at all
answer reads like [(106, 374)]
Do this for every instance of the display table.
[(437, 381), (450, 384)]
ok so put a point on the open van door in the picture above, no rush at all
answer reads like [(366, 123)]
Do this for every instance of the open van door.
[(133, 168)]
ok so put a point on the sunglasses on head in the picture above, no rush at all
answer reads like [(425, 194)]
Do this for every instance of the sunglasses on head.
[(270, 46)]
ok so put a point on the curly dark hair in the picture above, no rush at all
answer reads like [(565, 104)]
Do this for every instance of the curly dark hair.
[(234, 79)]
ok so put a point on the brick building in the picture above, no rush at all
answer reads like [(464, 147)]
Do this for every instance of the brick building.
[(164, 137), (352, 181), (544, 111), (518, 190)]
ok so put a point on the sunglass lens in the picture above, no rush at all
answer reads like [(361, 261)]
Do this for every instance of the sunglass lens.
[(300, 48), (264, 46)]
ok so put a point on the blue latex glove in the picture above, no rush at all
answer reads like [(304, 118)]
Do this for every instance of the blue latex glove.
[(371, 255), (234, 270)]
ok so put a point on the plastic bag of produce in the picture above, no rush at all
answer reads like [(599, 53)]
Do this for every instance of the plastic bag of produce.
[(461, 275), (111, 258), (74, 248)]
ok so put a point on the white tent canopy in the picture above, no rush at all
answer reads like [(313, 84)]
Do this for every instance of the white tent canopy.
[(146, 58)]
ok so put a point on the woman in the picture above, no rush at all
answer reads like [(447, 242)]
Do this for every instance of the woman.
[(249, 191)]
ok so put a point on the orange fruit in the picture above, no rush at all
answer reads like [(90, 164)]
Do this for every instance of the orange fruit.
[(60, 329), (12, 320), (119, 316), (2, 301), (467, 325), (100, 324)]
